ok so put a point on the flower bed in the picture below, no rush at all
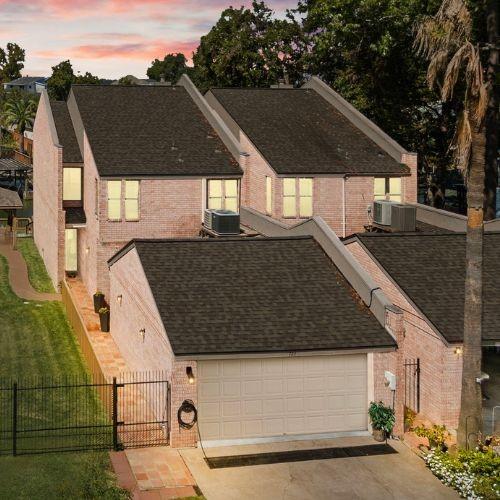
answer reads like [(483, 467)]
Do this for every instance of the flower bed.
[(474, 474)]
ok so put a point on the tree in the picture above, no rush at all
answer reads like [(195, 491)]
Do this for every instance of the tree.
[(127, 80), (248, 47), (19, 113), (11, 62), (170, 68), (446, 40), (63, 76)]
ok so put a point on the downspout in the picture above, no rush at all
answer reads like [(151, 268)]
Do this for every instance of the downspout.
[(343, 207)]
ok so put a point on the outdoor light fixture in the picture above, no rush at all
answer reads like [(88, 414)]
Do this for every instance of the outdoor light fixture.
[(190, 374), (142, 333), (119, 299), (87, 250), (458, 351)]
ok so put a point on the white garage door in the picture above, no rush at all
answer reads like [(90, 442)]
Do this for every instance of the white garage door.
[(250, 398)]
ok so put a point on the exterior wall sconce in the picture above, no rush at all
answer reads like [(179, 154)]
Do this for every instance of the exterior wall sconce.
[(119, 299), (458, 351), (142, 333), (87, 250), (190, 375)]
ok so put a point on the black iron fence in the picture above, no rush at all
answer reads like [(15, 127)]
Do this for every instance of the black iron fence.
[(39, 415), (412, 384)]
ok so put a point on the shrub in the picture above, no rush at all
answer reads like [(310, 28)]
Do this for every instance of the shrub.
[(436, 434), (381, 416), (474, 474)]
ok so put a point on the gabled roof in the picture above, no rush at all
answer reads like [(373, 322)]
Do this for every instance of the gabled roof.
[(299, 132), (240, 295), (66, 132), (430, 270), (150, 131), (26, 80)]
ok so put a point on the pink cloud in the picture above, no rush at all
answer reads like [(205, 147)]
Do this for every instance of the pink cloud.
[(145, 50)]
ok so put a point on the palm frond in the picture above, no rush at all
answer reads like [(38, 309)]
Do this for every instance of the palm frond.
[(462, 143), (461, 58)]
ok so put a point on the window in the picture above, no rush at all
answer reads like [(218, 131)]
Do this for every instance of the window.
[(269, 195), (305, 197), (223, 194), (114, 200), (289, 201), (96, 194), (387, 188), (131, 200), (72, 184), (71, 251)]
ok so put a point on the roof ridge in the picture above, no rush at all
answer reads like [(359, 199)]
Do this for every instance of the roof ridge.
[(198, 239)]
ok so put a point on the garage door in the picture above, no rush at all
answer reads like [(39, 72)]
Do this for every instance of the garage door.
[(266, 397)]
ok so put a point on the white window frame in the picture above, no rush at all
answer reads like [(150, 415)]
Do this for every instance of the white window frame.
[(302, 213), (269, 195), (119, 199), (298, 196), (224, 197), (136, 199), (67, 170), (389, 195)]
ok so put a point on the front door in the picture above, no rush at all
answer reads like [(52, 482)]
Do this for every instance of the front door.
[(71, 251)]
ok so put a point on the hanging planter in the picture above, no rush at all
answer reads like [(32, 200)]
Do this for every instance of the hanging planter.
[(98, 301), (104, 319)]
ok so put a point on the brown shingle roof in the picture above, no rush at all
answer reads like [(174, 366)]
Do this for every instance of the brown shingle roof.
[(66, 132), (254, 295), (298, 132), (430, 269), (150, 130), (9, 199)]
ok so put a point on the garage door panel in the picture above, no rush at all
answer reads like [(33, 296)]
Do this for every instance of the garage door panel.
[(271, 397)]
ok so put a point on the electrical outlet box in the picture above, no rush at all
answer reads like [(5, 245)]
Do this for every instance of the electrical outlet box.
[(390, 380)]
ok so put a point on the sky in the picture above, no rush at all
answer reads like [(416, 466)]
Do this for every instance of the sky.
[(109, 38)]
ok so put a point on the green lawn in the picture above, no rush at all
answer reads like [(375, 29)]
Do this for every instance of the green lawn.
[(36, 340), (37, 274)]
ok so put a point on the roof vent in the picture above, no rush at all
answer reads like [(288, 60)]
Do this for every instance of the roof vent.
[(382, 212), (403, 218), (223, 222)]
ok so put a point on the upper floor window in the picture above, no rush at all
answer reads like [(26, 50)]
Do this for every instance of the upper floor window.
[(131, 200), (269, 195), (387, 188), (297, 197), (114, 200), (72, 184), (223, 194)]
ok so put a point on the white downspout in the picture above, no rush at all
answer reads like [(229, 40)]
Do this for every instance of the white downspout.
[(343, 207)]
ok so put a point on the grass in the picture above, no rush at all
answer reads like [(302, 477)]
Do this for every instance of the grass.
[(37, 273), (37, 341)]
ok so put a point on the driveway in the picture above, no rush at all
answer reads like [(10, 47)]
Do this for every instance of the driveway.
[(400, 476)]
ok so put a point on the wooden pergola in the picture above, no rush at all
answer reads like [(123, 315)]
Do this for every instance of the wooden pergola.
[(10, 202)]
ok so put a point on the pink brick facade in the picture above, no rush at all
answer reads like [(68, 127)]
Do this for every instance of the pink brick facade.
[(148, 350), (48, 214), (441, 368), (328, 192)]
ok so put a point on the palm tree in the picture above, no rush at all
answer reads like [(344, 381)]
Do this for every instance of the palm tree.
[(19, 113), (445, 39)]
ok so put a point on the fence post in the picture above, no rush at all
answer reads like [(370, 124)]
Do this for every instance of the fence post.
[(115, 415), (14, 419)]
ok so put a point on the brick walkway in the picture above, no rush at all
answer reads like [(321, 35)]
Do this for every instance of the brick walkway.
[(18, 272), (149, 473)]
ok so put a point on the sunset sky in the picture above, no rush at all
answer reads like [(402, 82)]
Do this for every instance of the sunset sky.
[(109, 38)]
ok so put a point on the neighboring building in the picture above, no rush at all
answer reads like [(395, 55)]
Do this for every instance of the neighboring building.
[(133, 80), (274, 338), (120, 162), (424, 275), (30, 84), (311, 153)]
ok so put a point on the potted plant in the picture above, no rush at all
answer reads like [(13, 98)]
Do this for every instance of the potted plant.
[(104, 319), (436, 435), (382, 419), (98, 301)]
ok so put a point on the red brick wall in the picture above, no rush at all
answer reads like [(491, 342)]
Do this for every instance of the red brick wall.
[(48, 215), (327, 193), (441, 368)]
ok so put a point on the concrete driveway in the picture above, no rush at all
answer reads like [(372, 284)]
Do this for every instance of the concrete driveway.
[(399, 476)]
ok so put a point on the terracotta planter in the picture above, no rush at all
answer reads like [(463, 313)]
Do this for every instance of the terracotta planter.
[(98, 301), (379, 435), (104, 320)]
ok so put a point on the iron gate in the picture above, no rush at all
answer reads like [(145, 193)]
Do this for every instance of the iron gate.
[(84, 413), (412, 384)]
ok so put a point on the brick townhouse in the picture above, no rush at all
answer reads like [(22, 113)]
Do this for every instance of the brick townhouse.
[(115, 163), (309, 152), (283, 346), (424, 276)]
